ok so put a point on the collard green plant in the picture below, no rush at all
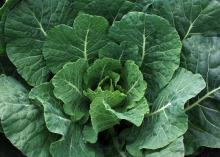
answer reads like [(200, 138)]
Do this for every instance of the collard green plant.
[(110, 78)]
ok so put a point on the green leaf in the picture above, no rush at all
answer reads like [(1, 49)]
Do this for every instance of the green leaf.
[(99, 69), (190, 16), (89, 134), (23, 121), (159, 46), (73, 145), (68, 87), (56, 120), (133, 83), (26, 29), (167, 120), (175, 149), (72, 140), (200, 55), (110, 9), (104, 117), (7, 6), (125, 51), (114, 97), (83, 40)]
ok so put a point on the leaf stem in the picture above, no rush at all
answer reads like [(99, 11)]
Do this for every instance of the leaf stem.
[(201, 99)]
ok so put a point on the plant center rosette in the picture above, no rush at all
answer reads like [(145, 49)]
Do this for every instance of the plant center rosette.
[(106, 92)]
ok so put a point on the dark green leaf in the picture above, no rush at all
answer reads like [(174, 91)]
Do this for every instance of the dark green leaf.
[(22, 121), (68, 87), (83, 40), (125, 51), (167, 120), (159, 46), (201, 55), (190, 16), (26, 29)]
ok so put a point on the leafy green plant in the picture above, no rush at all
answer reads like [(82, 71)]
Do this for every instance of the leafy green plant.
[(103, 78)]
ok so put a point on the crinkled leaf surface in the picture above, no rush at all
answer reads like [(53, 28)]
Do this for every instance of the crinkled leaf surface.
[(23, 121), (167, 120), (26, 29), (68, 87), (115, 97), (73, 145), (100, 69), (190, 16), (56, 120), (125, 51), (159, 46), (102, 111), (110, 9), (175, 149), (83, 40), (201, 55)]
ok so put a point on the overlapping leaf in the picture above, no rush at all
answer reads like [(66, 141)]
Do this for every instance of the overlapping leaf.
[(83, 40), (25, 32), (23, 121), (68, 87), (159, 46), (189, 16), (201, 55), (167, 120)]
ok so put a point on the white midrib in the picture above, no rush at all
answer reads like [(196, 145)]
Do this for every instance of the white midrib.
[(74, 87), (40, 25), (143, 46), (202, 99), (159, 110), (85, 45)]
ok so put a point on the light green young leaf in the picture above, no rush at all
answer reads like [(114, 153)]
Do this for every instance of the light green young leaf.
[(125, 51), (167, 120), (99, 69), (175, 149), (201, 55), (26, 29), (68, 87), (133, 83), (190, 16), (104, 117), (159, 46), (22, 121), (83, 40), (114, 97), (73, 145), (56, 120)]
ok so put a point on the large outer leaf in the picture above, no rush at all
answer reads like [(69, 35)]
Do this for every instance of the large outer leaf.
[(66, 44), (159, 46), (25, 30), (57, 122), (167, 120), (201, 55), (8, 4), (175, 149), (68, 87), (110, 9), (190, 16), (23, 122), (73, 145)]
